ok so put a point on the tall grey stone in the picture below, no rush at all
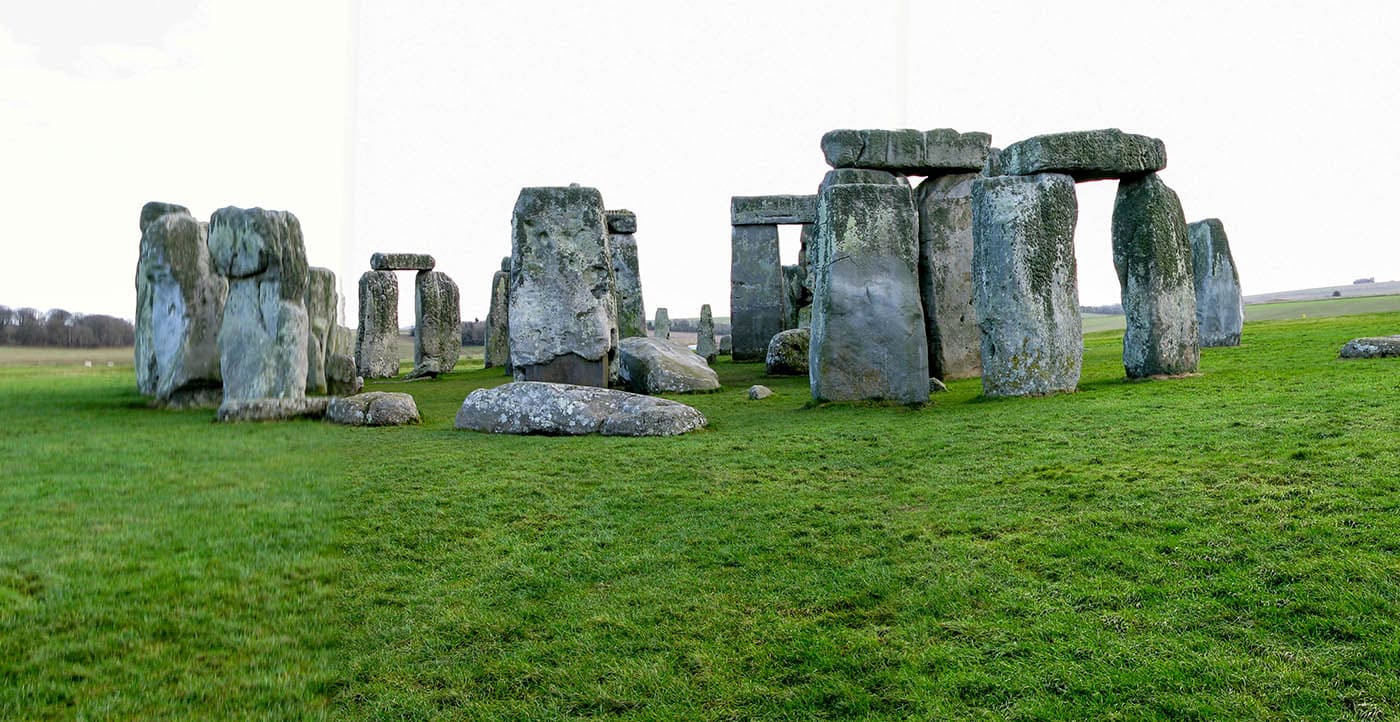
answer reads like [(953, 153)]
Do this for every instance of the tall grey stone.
[(498, 319), (755, 290), (563, 314), (945, 276), (179, 309), (1025, 284), (705, 344), (377, 338), (631, 314), (867, 335), (437, 331), (662, 327), (1219, 302), (1152, 254), (1085, 155), (911, 152), (321, 318), (797, 294), (262, 342)]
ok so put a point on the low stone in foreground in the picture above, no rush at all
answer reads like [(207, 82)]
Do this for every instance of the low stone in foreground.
[(272, 409), (653, 366), (534, 407), (1373, 347), (373, 408)]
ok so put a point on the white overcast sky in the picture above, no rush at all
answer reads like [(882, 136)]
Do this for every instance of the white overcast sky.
[(411, 125)]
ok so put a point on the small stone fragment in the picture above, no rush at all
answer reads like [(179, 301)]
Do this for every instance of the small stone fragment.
[(705, 345), (498, 319), (935, 386), (342, 378), (1373, 347), (661, 328), (1152, 254), (726, 344), (772, 210), (437, 333)]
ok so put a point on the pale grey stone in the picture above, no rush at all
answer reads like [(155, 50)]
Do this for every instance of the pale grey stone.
[(653, 366), (342, 377), (1373, 347), (320, 318), (437, 331), (528, 407), (661, 328), (1152, 254), (375, 408), (1025, 286), (910, 152), (273, 409), (758, 392), (402, 262), (498, 319), (945, 276), (377, 338), (1219, 301), (787, 353), (726, 344), (621, 222), (755, 290), (772, 210), (631, 314), (705, 345), (1085, 155)]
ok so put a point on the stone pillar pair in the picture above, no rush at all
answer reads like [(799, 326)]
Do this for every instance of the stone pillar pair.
[(765, 297), (437, 339)]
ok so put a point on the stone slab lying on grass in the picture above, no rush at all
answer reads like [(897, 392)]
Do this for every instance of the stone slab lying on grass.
[(402, 262), (272, 409), (534, 407), (653, 366), (373, 408), (1373, 347)]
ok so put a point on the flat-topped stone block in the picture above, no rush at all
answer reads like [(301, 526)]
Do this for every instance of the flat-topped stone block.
[(402, 262), (1085, 155), (772, 210), (621, 221), (911, 152)]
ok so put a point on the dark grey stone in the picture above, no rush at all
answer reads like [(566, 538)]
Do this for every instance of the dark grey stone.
[(1219, 301), (631, 313), (653, 366), (758, 392), (320, 318), (498, 320), (1085, 155), (437, 331), (787, 353), (1373, 347), (755, 290), (772, 210), (945, 276), (377, 338), (567, 410), (401, 262), (910, 152), (621, 221), (705, 345), (1152, 253)]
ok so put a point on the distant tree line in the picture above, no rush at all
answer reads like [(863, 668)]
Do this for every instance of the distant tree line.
[(1113, 309), (57, 327)]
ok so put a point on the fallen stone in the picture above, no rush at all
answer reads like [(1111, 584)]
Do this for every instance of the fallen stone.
[(755, 290), (911, 152), (437, 333), (787, 353), (342, 378), (772, 210), (1219, 301), (621, 222), (498, 319), (272, 409), (342, 338), (705, 346), (377, 338), (631, 313), (375, 408), (1152, 254), (401, 262), (758, 392), (1372, 347), (320, 319), (1085, 155), (527, 407), (653, 366), (661, 328), (945, 276)]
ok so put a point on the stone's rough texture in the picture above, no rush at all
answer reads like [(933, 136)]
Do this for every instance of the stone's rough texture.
[(945, 276), (524, 407), (804, 317), (1085, 155), (563, 314), (726, 344), (867, 335), (498, 320), (993, 165), (1219, 302), (935, 386), (661, 328), (855, 176), (1374, 347), (772, 210), (343, 340), (787, 353), (376, 408), (1025, 285), (755, 290), (342, 378), (272, 409), (402, 262), (262, 341), (179, 309), (797, 294), (1153, 256), (631, 313), (758, 392), (320, 319), (912, 152), (156, 209), (705, 345), (377, 338), (437, 333), (621, 222), (652, 366)]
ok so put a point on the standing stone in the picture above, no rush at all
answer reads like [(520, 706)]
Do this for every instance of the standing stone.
[(726, 344), (1152, 253), (755, 290), (321, 317), (705, 344), (867, 336), (1219, 303), (498, 319), (631, 314), (377, 338), (1024, 284), (262, 343), (179, 308), (796, 294), (662, 327), (563, 317), (437, 332), (945, 276)]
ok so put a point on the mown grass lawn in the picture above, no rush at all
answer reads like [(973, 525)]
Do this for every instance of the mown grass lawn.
[(1222, 546)]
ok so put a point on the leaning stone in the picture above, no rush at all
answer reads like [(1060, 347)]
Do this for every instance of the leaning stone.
[(631, 314), (622, 222), (705, 345), (342, 378), (867, 335), (1024, 284), (1374, 347), (498, 319), (321, 317), (437, 333), (945, 276), (1219, 302), (787, 353), (1085, 155), (273, 409), (402, 262), (375, 408), (653, 366), (758, 392), (726, 344), (911, 152), (755, 290), (527, 407), (377, 338), (661, 328), (179, 309), (1152, 254), (772, 210)]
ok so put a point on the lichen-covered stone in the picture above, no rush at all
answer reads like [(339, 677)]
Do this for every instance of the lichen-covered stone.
[(1219, 301), (867, 335), (787, 353), (631, 313), (755, 290), (321, 318), (1152, 254), (661, 327), (857, 176), (621, 222), (797, 294), (374, 408), (945, 276), (526, 407), (278, 409), (402, 262), (1085, 155), (1372, 347), (377, 338), (437, 332), (705, 345), (911, 152), (498, 319), (342, 378), (1025, 287), (758, 392), (653, 366), (772, 210)]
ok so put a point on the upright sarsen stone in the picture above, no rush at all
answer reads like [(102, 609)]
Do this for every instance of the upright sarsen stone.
[(321, 318), (1153, 256), (705, 344), (661, 328), (1219, 302), (945, 276), (867, 336), (631, 314), (1025, 284), (755, 290), (437, 332), (377, 338), (498, 318)]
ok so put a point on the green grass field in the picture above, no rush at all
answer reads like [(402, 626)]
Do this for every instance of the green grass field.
[(1225, 546)]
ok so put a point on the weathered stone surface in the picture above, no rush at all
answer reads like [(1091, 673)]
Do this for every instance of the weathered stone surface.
[(661, 328), (867, 335), (1025, 286), (377, 338), (804, 317), (855, 176), (402, 262), (653, 366), (320, 319), (278, 409), (498, 319), (343, 338), (375, 408), (787, 353), (262, 341), (563, 316), (1085, 155), (437, 332), (726, 344), (621, 222), (1373, 347), (342, 378), (705, 346), (1152, 254), (772, 210), (758, 392), (631, 313), (179, 309), (797, 294), (993, 165), (945, 276), (755, 290), (1219, 301), (524, 407), (911, 152)]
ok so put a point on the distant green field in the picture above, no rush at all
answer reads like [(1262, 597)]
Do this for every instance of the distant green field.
[(1222, 546), (1280, 311)]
